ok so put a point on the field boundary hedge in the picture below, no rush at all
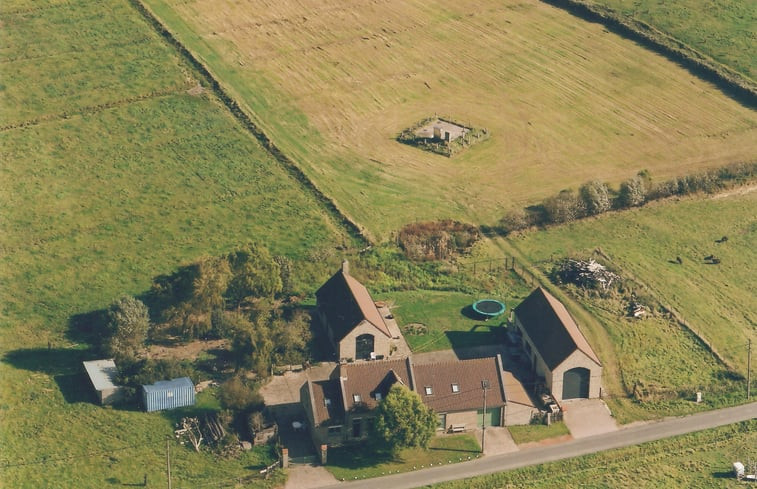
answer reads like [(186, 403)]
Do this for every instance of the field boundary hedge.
[(731, 82), (233, 106)]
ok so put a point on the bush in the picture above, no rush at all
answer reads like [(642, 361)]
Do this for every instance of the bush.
[(239, 395), (128, 326), (437, 240), (633, 193), (565, 207), (595, 196)]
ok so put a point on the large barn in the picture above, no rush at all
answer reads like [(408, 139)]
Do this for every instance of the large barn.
[(556, 348)]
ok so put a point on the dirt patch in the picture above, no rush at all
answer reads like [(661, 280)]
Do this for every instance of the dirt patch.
[(196, 90), (188, 351), (737, 191)]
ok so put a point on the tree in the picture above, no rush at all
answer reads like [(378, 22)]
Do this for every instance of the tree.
[(565, 207), (596, 197), (254, 274), (128, 325), (402, 420), (633, 192)]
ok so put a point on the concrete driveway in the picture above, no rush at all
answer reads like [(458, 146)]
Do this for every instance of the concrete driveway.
[(308, 476), (588, 417)]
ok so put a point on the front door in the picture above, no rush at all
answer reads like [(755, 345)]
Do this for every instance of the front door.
[(357, 428)]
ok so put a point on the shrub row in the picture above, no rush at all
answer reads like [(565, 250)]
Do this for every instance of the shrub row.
[(436, 240), (596, 197)]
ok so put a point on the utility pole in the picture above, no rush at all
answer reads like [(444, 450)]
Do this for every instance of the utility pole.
[(485, 387), (168, 460), (749, 370)]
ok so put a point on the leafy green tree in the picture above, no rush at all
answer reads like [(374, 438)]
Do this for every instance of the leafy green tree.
[(239, 394), (255, 274), (128, 326), (402, 420)]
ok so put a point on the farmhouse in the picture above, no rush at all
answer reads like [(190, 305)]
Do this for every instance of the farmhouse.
[(168, 394), (352, 321), (556, 349), (455, 391), (340, 410), (102, 374)]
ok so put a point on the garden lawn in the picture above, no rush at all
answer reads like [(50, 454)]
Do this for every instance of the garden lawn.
[(361, 462), (537, 432), (447, 317)]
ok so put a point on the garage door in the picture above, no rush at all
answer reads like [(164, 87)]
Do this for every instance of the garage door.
[(492, 417), (575, 383)]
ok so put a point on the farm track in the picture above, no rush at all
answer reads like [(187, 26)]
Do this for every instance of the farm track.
[(234, 107)]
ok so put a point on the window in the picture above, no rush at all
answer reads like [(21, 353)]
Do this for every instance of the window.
[(455, 388), (357, 398), (169, 394), (429, 390), (377, 396), (327, 402), (335, 430)]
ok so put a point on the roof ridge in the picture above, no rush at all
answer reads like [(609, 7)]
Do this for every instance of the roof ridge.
[(581, 342)]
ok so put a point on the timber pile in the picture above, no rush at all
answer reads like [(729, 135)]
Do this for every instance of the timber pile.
[(586, 274), (212, 428)]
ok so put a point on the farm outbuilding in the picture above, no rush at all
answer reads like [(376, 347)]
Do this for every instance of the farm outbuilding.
[(102, 374), (556, 349), (168, 394)]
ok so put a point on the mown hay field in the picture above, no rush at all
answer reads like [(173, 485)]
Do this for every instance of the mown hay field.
[(116, 168), (723, 29), (564, 100), (717, 300)]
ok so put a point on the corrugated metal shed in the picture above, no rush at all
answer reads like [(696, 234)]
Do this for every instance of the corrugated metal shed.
[(168, 394), (102, 374)]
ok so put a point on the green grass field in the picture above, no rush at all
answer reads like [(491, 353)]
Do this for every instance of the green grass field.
[(722, 29), (717, 300), (699, 460), (112, 174), (537, 432), (564, 100)]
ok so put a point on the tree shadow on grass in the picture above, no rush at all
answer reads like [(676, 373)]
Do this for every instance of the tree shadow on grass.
[(88, 327)]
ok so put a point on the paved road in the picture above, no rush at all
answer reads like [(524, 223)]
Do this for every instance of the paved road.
[(533, 456)]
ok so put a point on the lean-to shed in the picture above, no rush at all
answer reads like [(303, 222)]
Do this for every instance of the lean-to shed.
[(102, 374), (168, 394)]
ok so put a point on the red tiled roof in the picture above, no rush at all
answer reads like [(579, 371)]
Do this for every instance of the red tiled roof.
[(333, 410), (551, 328), (468, 376), (365, 379)]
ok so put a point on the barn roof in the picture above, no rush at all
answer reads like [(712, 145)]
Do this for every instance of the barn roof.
[(551, 328), (467, 376), (102, 373), (346, 303)]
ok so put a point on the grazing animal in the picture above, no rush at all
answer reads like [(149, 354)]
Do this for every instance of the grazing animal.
[(722, 240), (679, 260), (709, 257)]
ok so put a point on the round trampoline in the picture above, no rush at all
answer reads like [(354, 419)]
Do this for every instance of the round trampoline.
[(489, 308)]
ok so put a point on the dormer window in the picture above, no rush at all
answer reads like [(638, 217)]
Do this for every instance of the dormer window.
[(455, 388), (357, 398), (429, 390), (327, 402), (377, 396)]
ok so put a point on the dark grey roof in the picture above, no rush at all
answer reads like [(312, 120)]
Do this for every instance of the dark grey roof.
[(551, 328)]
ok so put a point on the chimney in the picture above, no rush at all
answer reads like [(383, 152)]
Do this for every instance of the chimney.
[(346, 267)]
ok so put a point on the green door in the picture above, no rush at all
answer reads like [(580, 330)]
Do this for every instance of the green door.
[(492, 417)]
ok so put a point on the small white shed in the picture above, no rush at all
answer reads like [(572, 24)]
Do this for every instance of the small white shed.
[(102, 374)]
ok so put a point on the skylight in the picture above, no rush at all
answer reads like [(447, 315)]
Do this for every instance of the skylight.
[(455, 388)]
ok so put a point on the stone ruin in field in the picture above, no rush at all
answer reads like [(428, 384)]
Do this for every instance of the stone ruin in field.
[(442, 136)]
